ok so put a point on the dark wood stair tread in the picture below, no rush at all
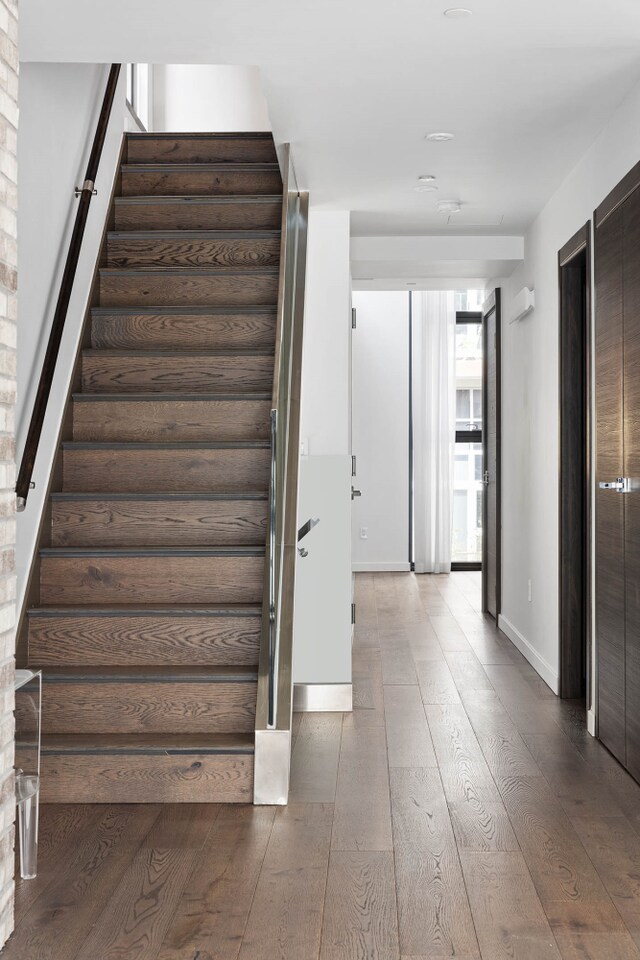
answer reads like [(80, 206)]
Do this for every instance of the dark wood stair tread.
[(191, 310), (155, 609), (187, 165), (173, 674), (160, 743), (222, 551), (171, 397), (198, 198), (248, 234), (169, 495), (216, 273), (167, 445)]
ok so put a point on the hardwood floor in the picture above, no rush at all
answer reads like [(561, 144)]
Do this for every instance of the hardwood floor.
[(460, 811)]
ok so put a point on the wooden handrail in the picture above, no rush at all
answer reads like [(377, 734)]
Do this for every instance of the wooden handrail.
[(85, 193)]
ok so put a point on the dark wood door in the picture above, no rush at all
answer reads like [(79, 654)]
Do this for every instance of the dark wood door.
[(631, 470), (491, 443), (575, 324), (610, 505)]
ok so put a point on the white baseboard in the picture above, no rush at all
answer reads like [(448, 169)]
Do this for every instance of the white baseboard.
[(591, 722), (538, 663), (381, 567)]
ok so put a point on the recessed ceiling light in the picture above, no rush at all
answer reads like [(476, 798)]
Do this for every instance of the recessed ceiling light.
[(458, 13), (412, 284), (426, 178), (439, 136), (425, 188), (449, 206)]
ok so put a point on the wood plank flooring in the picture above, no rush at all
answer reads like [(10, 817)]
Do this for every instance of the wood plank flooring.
[(460, 811)]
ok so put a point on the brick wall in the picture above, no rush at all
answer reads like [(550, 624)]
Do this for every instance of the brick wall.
[(8, 283)]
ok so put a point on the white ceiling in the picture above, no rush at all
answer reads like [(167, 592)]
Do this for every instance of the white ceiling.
[(356, 84)]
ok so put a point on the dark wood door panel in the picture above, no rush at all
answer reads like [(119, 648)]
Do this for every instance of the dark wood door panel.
[(609, 533), (632, 469), (491, 442)]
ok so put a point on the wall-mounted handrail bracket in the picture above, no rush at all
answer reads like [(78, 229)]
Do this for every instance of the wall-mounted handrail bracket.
[(88, 185)]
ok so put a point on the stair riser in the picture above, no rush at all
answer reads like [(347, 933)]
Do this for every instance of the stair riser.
[(171, 420), (200, 183), (112, 707), (182, 215), (143, 641), (226, 254), (173, 290), (155, 579), (184, 523), (138, 471), (151, 149), (183, 332), (174, 374), (192, 778)]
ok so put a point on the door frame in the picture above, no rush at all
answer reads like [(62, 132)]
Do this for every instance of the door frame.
[(570, 686), (492, 303)]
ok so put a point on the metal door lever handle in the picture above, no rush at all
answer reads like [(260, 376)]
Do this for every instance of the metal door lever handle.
[(485, 478), (620, 485), (355, 493)]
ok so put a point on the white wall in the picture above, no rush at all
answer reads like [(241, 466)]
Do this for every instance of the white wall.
[(323, 614), (530, 395), (381, 431), (208, 98), (59, 105)]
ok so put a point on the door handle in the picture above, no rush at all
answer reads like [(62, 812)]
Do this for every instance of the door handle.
[(485, 478), (303, 531), (620, 485), (355, 493)]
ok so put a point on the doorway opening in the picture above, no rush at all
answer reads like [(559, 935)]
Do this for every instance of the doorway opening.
[(574, 291), (466, 546)]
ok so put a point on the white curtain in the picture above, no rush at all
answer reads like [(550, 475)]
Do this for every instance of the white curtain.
[(434, 426)]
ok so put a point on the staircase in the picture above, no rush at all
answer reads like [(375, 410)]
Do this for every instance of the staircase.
[(150, 578)]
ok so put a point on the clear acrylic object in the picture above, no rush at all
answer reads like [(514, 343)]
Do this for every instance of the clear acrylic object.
[(27, 789), (28, 689)]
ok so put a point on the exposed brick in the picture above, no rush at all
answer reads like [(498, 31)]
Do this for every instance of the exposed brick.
[(8, 316)]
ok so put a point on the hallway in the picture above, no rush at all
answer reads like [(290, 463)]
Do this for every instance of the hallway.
[(461, 811)]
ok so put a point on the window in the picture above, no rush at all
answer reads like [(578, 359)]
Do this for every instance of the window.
[(468, 462)]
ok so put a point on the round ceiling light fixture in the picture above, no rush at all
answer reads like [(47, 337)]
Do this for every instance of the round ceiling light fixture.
[(426, 178), (449, 206), (440, 136), (458, 13)]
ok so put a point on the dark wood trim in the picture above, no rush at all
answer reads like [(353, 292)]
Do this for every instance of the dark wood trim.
[(468, 316), (574, 505), (49, 364), (621, 192), (469, 436), (493, 303), (578, 242), (466, 565)]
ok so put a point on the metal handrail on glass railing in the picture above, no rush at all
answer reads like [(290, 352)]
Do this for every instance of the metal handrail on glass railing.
[(275, 687)]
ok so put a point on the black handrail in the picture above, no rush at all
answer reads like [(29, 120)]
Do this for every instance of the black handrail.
[(85, 193)]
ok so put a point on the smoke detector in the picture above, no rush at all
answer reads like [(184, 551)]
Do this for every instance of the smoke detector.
[(449, 206)]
